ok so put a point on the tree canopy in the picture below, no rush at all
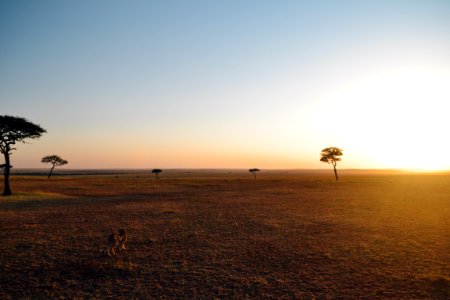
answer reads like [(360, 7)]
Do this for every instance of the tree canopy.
[(17, 129), (55, 160), (254, 170), (331, 155), (156, 172)]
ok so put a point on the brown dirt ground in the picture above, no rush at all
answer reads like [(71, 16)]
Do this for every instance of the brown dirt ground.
[(281, 236)]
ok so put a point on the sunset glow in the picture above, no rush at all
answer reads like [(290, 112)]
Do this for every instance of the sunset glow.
[(398, 117), (229, 85)]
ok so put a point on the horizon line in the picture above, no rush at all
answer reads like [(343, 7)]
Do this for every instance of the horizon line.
[(397, 170)]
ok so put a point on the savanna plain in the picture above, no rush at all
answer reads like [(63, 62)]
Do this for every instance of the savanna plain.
[(224, 234)]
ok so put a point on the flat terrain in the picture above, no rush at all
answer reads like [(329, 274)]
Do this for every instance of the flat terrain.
[(227, 235)]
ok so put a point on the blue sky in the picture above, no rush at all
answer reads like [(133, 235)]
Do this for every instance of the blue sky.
[(227, 83)]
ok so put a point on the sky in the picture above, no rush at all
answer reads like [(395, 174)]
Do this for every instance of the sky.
[(229, 84)]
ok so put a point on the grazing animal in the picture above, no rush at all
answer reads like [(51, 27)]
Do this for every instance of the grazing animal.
[(116, 245)]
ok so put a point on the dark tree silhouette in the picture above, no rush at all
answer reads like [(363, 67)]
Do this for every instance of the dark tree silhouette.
[(331, 155), (156, 172), (3, 166), (13, 130), (55, 160), (254, 170)]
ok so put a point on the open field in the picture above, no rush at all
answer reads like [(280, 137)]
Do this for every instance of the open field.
[(227, 235)]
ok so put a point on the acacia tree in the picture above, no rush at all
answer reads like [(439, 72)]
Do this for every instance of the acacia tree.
[(13, 130), (331, 155), (156, 172), (55, 160), (254, 170)]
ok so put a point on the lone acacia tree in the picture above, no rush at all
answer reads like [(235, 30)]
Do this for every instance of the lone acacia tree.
[(331, 155), (254, 170), (156, 172), (55, 160), (13, 130)]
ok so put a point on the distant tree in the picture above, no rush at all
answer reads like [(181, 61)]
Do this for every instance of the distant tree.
[(55, 160), (156, 172), (254, 170), (13, 130), (331, 155)]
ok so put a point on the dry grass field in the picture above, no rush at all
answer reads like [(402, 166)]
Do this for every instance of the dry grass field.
[(226, 235)]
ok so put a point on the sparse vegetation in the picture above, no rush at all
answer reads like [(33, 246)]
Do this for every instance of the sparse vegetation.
[(156, 172), (254, 170), (331, 155), (377, 237), (55, 161)]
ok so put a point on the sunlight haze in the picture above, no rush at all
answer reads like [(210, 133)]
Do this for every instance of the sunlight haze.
[(229, 84)]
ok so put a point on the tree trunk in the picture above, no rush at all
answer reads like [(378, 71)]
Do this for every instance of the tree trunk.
[(7, 189), (51, 170), (254, 174), (335, 172)]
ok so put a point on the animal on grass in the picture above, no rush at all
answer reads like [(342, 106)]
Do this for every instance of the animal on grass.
[(115, 245)]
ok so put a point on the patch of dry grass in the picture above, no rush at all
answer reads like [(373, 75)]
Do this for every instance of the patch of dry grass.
[(280, 236)]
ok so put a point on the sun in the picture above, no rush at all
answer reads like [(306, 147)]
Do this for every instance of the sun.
[(398, 118)]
